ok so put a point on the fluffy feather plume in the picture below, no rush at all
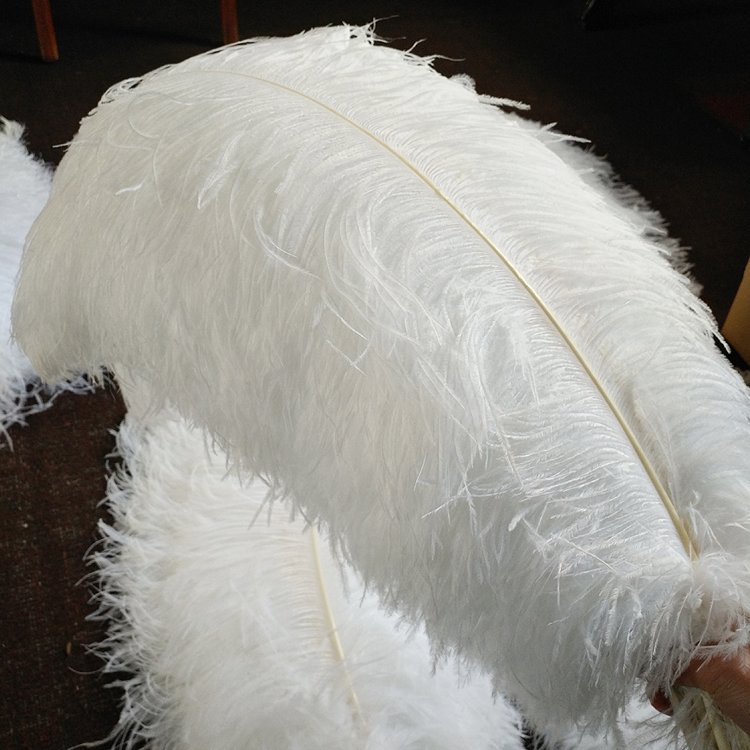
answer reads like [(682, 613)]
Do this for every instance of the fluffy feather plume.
[(419, 319), (24, 187), (216, 608), (25, 184)]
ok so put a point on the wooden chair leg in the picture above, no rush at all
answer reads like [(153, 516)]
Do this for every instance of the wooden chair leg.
[(45, 31), (229, 29)]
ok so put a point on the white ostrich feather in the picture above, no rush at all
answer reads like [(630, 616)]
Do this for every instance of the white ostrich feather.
[(25, 184), (216, 609), (416, 317), (24, 187)]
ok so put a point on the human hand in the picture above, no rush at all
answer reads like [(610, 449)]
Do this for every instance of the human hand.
[(727, 681)]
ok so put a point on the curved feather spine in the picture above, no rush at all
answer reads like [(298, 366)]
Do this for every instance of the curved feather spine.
[(688, 542)]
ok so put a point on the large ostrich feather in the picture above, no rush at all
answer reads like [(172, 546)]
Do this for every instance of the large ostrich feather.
[(436, 330)]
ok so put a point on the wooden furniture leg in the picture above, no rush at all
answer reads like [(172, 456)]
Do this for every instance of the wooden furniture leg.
[(229, 30), (736, 328), (45, 31)]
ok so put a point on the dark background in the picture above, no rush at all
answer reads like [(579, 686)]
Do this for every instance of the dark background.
[(660, 87)]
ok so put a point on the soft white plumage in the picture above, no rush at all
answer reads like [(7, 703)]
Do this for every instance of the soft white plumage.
[(24, 187), (297, 243), (25, 183)]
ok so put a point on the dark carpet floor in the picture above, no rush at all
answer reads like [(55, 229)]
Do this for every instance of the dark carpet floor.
[(661, 87)]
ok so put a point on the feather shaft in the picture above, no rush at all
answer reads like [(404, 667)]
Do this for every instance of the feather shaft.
[(681, 529), (338, 649)]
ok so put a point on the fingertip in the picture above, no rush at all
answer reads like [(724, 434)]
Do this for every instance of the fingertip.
[(661, 703)]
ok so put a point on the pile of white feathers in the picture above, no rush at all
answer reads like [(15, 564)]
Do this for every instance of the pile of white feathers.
[(422, 407)]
